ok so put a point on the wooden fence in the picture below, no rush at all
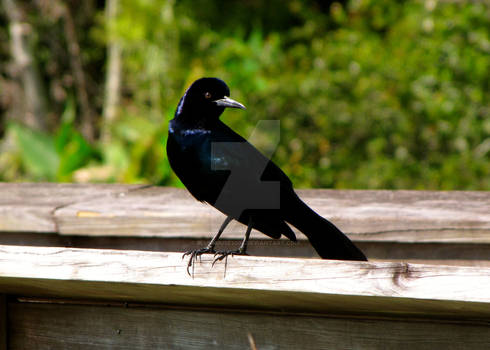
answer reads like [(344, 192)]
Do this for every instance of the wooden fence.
[(426, 286)]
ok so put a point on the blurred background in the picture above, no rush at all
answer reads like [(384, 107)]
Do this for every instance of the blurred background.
[(369, 94)]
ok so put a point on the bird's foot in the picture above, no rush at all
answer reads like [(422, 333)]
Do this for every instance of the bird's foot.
[(194, 254), (220, 255)]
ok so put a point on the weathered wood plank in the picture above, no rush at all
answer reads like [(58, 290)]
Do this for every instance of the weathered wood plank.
[(29, 207), (125, 210), (72, 327), (408, 225), (274, 284), (390, 216), (459, 254)]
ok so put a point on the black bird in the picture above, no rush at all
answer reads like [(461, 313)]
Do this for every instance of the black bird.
[(220, 167)]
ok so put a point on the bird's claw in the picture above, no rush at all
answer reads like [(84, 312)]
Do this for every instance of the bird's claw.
[(194, 254), (220, 255)]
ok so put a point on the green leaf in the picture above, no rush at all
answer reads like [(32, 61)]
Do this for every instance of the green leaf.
[(75, 155), (37, 151)]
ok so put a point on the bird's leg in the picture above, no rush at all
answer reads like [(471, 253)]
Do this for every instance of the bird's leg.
[(243, 247), (242, 250), (209, 248), (220, 231)]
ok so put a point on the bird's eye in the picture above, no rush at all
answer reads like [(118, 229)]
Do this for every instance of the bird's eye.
[(207, 95)]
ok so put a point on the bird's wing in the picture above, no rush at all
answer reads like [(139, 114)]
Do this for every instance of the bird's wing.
[(230, 151), (251, 181)]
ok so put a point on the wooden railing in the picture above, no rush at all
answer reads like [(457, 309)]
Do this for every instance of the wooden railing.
[(414, 226), (57, 294)]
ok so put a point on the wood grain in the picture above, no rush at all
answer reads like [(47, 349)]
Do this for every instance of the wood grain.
[(394, 216), (452, 227), (282, 302), (142, 211), (458, 254), (80, 327), (273, 284), (29, 207)]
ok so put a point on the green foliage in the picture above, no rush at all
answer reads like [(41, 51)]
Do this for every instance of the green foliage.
[(370, 94), (73, 151), (50, 157), (37, 152)]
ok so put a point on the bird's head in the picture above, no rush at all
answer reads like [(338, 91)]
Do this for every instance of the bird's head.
[(206, 97)]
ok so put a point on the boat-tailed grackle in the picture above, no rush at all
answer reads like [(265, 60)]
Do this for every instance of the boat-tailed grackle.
[(220, 167)]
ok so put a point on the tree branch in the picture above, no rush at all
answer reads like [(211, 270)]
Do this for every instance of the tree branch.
[(26, 67), (87, 112), (113, 75)]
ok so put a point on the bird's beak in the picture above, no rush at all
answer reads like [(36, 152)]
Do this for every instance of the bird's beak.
[(228, 102)]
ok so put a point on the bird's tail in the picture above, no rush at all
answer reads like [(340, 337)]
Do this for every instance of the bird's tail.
[(325, 237)]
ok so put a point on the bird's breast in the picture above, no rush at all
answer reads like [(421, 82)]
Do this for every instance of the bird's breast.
[(190, 156)]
